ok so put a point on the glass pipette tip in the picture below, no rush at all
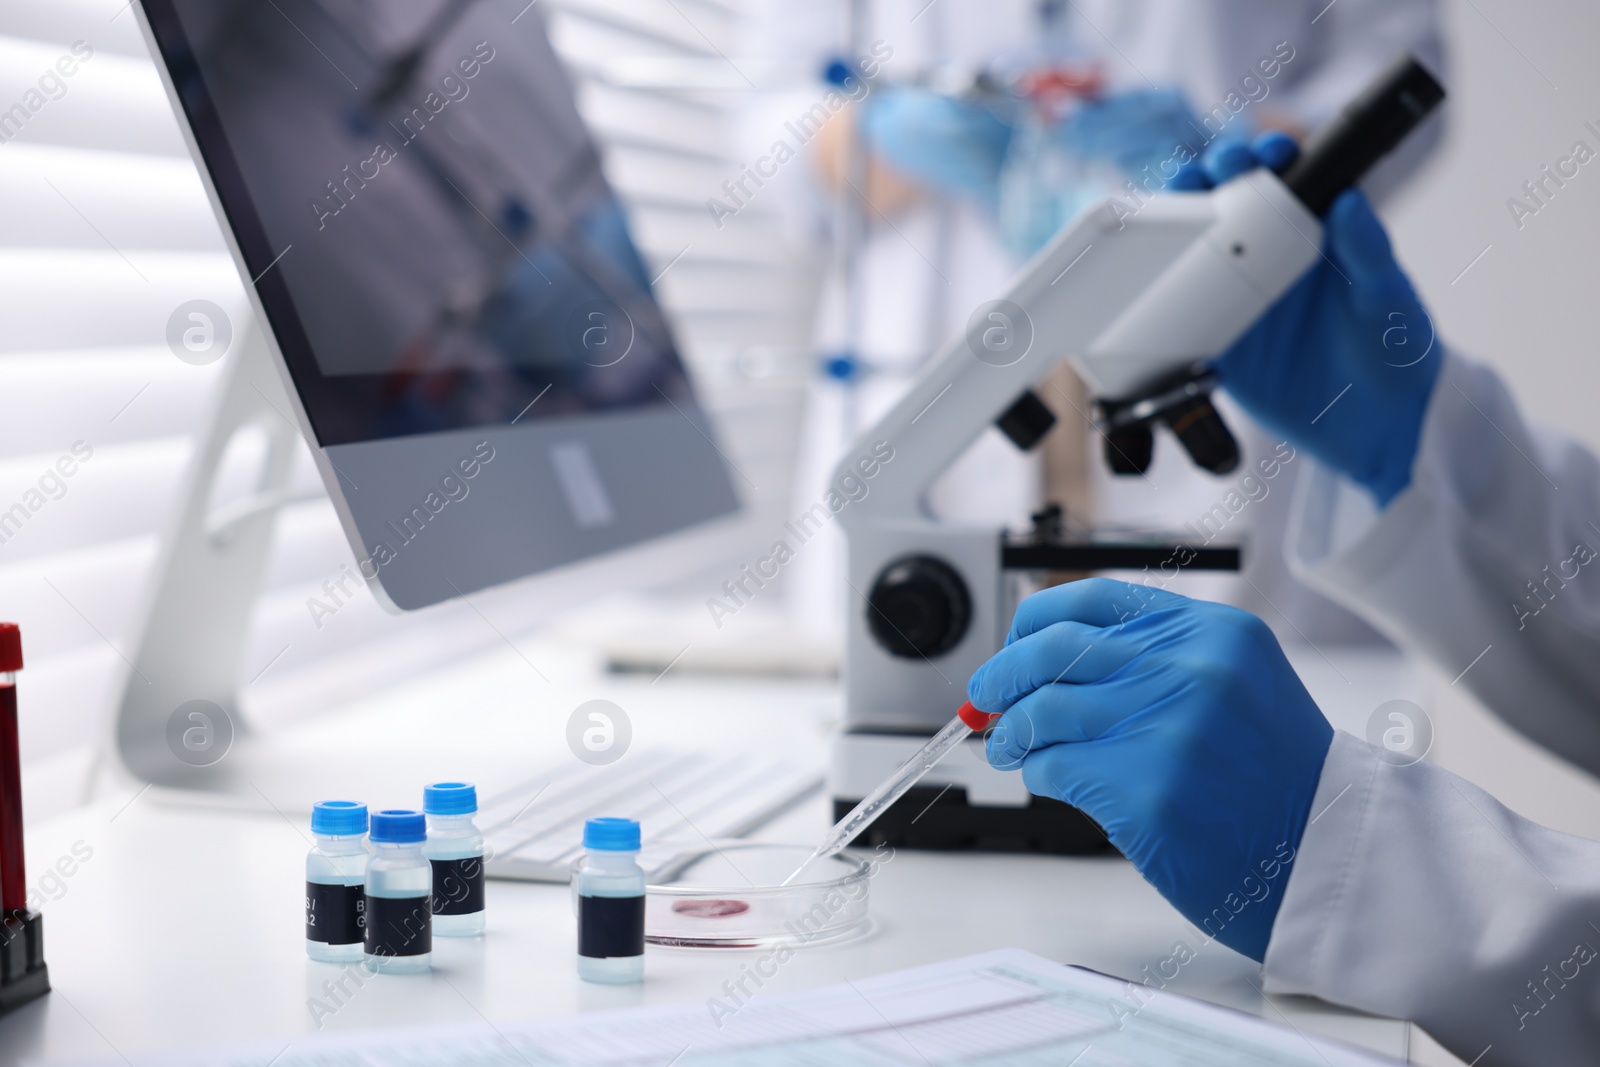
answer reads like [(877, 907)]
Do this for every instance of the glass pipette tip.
[(968, 720)]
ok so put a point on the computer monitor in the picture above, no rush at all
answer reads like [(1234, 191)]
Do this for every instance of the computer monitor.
[(448, 281)]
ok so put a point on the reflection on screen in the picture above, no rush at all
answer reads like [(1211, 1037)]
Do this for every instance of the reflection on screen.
[(437, 243)]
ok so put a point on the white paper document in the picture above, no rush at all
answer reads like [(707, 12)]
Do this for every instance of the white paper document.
[(1007, 1008)]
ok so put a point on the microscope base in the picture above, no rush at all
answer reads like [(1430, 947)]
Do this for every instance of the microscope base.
[(963, 803), (941, 819)]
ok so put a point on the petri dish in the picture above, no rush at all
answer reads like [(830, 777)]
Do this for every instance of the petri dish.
[(725, 894)]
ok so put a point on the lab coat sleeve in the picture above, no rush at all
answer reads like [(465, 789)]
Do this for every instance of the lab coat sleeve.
[(1488, 564), (1415, 894)]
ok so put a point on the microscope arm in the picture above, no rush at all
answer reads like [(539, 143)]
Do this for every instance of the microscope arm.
[(1128, 298)]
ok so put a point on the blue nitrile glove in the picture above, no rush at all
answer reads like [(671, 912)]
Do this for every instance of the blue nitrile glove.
[(1136, 128), (948, 144), (1175, 724), (1343, 365)]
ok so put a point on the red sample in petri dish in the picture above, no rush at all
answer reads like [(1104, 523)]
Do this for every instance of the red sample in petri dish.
[(710, 909)]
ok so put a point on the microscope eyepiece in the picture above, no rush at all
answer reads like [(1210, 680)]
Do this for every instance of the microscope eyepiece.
[(1365, 131)]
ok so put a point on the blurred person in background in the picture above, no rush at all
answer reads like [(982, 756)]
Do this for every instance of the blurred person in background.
[(982, 128)]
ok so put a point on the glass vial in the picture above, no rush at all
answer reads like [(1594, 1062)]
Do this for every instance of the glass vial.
[(336, 871), (610, 886), (399, 915), (455, 851)]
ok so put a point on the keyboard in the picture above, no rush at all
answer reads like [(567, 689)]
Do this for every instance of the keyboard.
[(534, 831)]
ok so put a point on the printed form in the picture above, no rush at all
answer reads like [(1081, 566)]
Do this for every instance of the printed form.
[(1007, 1008)]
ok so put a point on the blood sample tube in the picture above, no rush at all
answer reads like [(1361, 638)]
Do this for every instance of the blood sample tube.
[(23, 974), (13, 876)]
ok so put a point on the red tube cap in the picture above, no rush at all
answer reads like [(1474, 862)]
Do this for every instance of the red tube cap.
[(10, 647), (978, 720)]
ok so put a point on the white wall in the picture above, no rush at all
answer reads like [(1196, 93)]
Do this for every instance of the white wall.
[(1528, 306)]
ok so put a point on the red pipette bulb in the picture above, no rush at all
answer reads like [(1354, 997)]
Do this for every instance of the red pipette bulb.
[(977, 720)]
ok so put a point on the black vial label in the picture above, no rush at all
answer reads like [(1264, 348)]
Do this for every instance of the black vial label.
[(610, 926), (458, 886), (333, 913), (399, 926)]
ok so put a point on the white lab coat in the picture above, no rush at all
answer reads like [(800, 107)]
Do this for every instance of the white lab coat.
[(1415, 894)]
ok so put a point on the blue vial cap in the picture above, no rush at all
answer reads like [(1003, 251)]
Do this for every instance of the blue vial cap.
[(398, 826), (340, 817), (450, 798), (611, 835)]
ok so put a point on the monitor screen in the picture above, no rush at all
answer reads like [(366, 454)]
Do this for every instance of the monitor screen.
[(422, 211)]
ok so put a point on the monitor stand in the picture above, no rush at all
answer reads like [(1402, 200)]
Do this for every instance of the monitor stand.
[(179, 733), (178, 724)]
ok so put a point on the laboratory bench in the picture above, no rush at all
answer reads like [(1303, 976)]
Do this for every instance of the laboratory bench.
[(178, 924)]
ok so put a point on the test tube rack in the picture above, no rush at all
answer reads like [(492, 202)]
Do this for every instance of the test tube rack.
[(23, 974)]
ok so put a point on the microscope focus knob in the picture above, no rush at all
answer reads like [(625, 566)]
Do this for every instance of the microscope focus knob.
[(919, 607)]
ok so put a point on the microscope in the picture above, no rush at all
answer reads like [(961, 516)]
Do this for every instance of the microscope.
[(1137, 303)]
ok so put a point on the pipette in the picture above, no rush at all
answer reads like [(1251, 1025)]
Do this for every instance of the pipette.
[(968, 721)]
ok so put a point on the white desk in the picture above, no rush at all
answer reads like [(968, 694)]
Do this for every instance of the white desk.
[(186, 926)]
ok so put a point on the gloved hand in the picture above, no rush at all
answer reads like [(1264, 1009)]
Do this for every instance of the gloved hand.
[(1132, 129), (946, 144), (1175, 724), (1343, 365)]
